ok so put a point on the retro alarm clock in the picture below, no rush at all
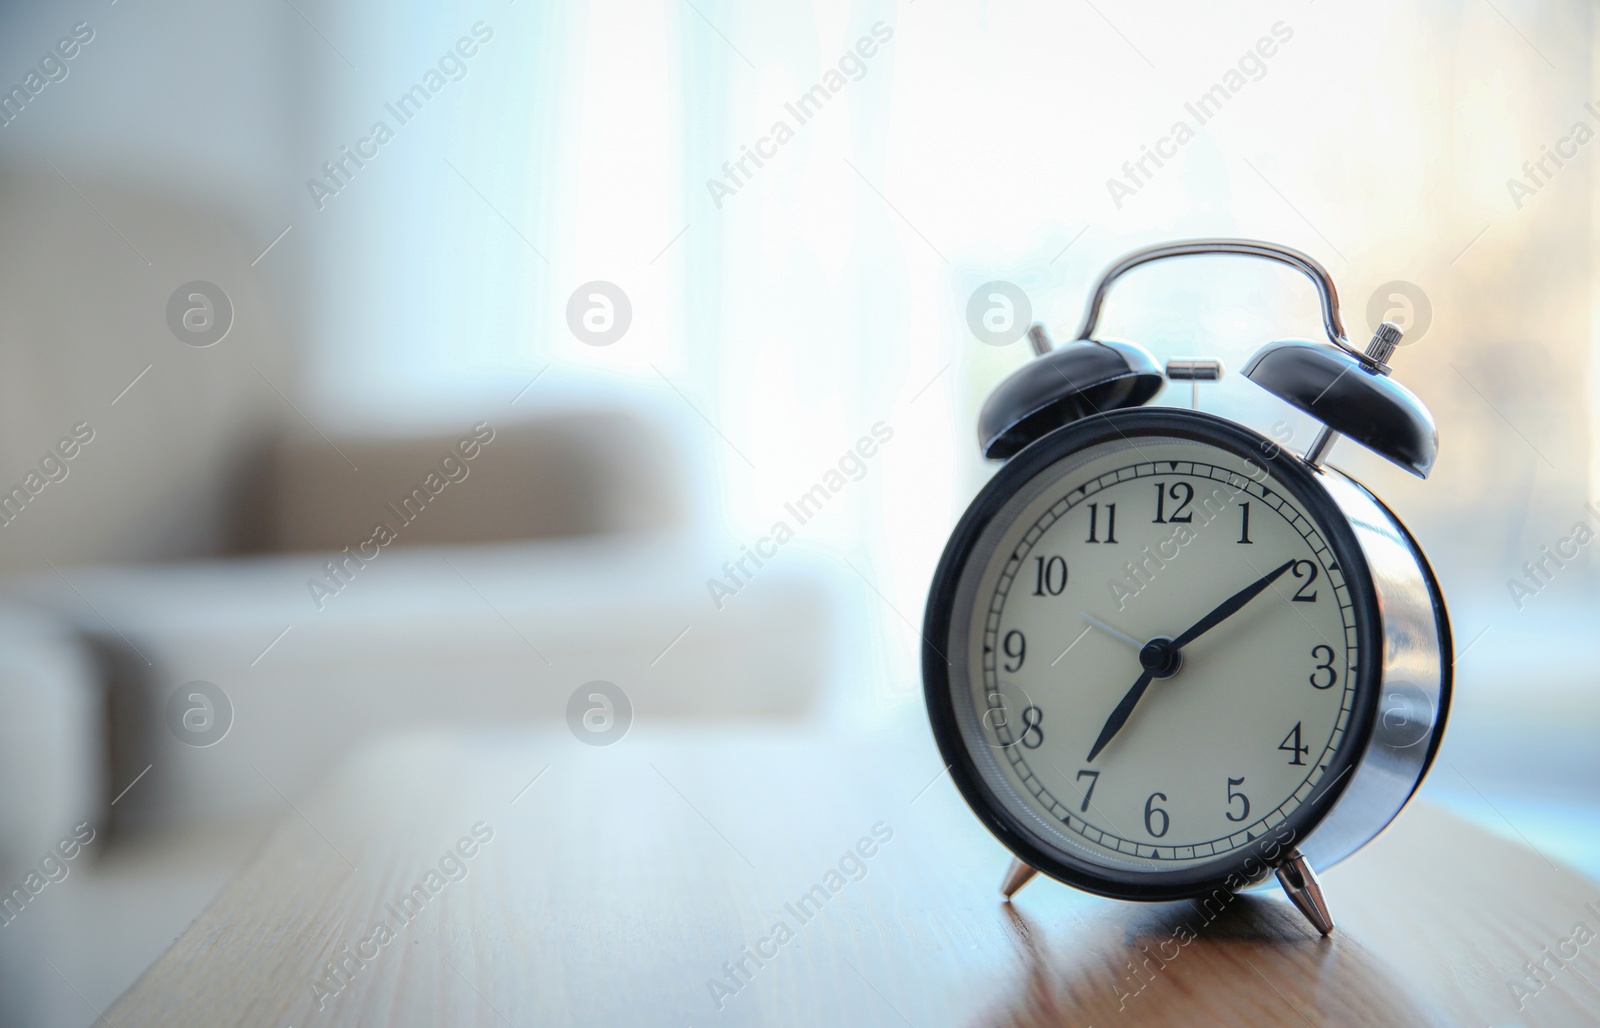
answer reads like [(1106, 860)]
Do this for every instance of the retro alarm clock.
[(1163, 654)]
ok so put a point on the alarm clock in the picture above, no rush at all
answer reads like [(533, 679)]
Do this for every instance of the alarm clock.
[(1163, 655)]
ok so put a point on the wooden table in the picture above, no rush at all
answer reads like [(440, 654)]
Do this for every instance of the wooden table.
[(624, 881)]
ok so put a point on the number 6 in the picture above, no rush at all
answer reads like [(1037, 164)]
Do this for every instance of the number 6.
[(1151, 810)]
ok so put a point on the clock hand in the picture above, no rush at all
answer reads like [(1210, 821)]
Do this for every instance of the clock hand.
[(1229, 607), (1119, 717), (1096, 622), (1164, 656)]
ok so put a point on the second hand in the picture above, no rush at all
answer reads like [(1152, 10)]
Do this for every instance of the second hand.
[(1125, 637)]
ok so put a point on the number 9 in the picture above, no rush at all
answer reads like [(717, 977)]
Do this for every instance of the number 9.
[(1015, 647)]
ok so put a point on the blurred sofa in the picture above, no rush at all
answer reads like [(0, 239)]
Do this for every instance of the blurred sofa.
[(548, 565), (488, 631), (208, 532), (182, 538)]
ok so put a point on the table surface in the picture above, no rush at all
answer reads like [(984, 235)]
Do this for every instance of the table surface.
[(623, 882)]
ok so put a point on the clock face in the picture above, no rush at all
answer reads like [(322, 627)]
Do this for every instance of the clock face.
[(1155, 651)]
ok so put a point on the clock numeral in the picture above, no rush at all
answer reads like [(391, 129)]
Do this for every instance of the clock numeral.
[(1094, 523), (1015, 645), (1165, 490), (1032, 718), (1307, 570), (1241, 797), (1244, 528), (1150, 813), (1051, 575), (1326, 665), (1094, 778), (1291, 745)]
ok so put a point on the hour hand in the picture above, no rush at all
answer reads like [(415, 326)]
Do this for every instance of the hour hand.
[(1119, 717), (1163, 657)]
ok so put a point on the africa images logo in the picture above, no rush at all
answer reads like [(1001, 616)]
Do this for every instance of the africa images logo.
[(398, 915), (452, 67), (452, 468), (738, 572), (851, 867), (54, 66), (808, 105), (1252, 67)]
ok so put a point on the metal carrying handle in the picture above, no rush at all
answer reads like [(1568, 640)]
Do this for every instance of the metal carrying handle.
[(1302, 263)]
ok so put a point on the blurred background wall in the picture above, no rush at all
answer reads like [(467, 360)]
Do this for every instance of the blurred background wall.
[(830, 289), (779, 307)]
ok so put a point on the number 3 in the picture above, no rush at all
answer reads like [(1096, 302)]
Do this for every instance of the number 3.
[(1326, 665)]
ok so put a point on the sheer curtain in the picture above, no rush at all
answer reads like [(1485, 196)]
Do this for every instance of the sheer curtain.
[(792, 288), (434, 267), (982, 144)]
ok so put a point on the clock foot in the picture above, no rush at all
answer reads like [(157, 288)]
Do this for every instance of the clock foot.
[(1305, 892), (1017, 875)]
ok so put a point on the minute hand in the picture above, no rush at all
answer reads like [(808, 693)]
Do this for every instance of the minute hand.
[(1226, 609), (1229, 607)]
